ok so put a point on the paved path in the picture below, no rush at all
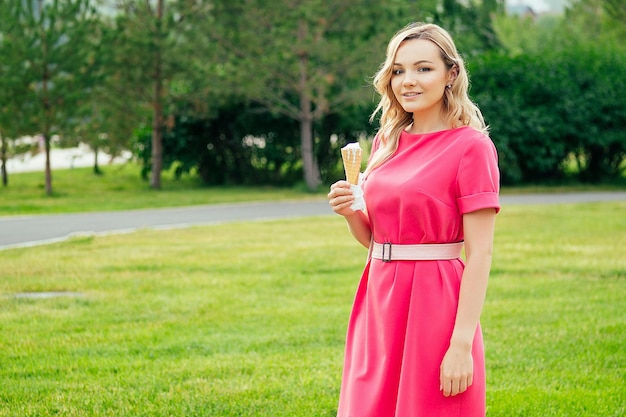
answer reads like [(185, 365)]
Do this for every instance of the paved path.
[(22, 231)]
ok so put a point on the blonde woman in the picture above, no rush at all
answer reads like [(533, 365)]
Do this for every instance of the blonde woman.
[(414, 344)]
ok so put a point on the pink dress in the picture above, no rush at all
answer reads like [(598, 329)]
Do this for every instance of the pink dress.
[(404, 311)]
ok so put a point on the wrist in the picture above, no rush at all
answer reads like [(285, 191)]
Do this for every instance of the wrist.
[(461, 342)]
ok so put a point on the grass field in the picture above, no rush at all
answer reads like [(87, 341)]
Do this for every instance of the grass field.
[(121, 188), (248, 319)]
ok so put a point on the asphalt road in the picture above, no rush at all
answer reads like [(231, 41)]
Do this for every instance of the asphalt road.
[(23, 231)]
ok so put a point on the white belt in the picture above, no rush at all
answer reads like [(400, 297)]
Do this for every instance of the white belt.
[(423, 252)]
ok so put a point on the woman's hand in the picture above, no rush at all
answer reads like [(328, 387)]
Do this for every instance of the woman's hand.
[(457, 370), (341, 198)]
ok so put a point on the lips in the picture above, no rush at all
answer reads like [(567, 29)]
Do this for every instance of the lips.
[(410, 94)]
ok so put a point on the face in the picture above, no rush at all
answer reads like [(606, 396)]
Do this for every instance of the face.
[(420, 77)]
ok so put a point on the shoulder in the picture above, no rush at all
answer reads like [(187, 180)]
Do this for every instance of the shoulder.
[(471, 139), (468, 133)]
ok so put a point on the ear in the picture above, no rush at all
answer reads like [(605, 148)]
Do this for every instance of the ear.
[(453, 73)]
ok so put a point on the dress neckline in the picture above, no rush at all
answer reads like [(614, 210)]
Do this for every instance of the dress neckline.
[(436, 132)]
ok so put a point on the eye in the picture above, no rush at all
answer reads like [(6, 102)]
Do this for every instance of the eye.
[(423, 69), (397, 71)]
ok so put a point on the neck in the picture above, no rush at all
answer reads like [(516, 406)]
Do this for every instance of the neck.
[(428, 123), (417, 128)]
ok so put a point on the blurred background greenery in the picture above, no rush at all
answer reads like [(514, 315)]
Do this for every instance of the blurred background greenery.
[(249, 92)]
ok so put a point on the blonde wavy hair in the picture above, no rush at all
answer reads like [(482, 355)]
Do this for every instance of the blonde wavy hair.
[(458, 108)]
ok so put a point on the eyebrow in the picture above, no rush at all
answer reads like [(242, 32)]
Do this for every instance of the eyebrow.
[(423, 61)]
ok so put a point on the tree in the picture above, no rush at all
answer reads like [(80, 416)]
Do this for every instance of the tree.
[(138, 67), (13, 83), (470, 23), (106, 117), (616, 10), (524, 34), (58, 35), (303, 59), (603, 20), (152, 62)]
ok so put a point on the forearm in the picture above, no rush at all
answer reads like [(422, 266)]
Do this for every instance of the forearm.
[(479, 230), (471, 299), (341, 199), (359, 227)]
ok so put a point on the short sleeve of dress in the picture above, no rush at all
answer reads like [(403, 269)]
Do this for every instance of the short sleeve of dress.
[(478, 177)]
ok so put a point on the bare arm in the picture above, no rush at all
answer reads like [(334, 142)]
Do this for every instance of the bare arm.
[(340, 199), (457, 365)]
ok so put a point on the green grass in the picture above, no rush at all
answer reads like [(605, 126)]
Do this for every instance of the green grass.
[(248, 319), (121, 188), (555, 320)]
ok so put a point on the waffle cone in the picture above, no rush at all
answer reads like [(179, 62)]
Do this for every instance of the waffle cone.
[(352, 163)]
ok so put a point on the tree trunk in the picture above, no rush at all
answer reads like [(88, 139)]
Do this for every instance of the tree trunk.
[(46, 139), (3, 160), (157, 108), (46, 135), (5, 177), (157, 142), (309, 164), (157, 138), (96, 167), (311, 170), (46, 107)]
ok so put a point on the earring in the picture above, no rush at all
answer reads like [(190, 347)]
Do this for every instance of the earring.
[(449, 86)]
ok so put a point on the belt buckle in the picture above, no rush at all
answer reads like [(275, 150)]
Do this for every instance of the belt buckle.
[(386, 252)]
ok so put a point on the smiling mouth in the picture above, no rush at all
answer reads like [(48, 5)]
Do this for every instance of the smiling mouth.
[(411, 94)]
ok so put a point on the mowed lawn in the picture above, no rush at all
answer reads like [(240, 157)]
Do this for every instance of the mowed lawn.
[(120, 187), (248, 319)]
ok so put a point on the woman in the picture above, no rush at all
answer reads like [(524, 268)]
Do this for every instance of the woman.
[(414, 345)]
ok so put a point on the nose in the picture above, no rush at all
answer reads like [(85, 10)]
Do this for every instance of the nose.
[(409, 79)]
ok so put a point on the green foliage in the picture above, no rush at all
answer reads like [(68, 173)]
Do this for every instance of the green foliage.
[(245, 144), (275, 53), (152, 52), (519, 110), (105, 117), (59, 59), (550, 95), (51, 50), (616, 10), (249, 319), (301, 75), (242, 144), (350, 124), (13, 85), (469, 22), (519, 34), (303, 60), (548, 105), (595, 19)]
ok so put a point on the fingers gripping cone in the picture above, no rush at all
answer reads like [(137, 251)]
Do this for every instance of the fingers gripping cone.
[(351, 155)]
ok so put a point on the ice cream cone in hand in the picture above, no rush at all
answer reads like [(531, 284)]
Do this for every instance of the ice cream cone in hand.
[(351, 155)]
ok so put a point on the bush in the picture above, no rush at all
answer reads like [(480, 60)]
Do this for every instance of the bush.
[(240, 145), (244, 144), (545, 107)]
